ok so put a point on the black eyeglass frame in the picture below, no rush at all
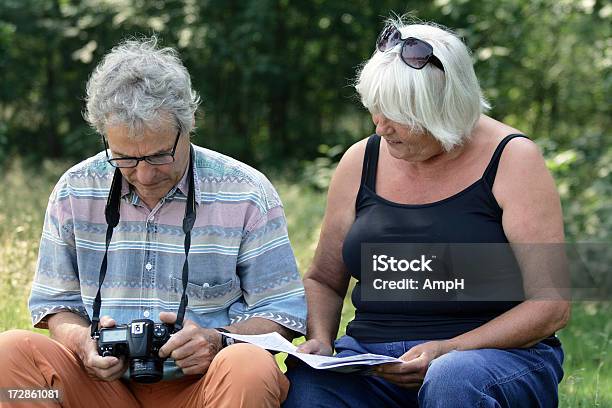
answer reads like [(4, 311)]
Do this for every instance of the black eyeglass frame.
[(115, 161), (428, 58)]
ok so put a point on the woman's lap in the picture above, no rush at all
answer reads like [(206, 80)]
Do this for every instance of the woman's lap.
[(485, 378)]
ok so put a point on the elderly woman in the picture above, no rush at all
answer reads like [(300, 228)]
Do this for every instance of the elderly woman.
[(440, 171)]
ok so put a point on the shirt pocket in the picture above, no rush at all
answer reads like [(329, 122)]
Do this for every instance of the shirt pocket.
[(208, 296)]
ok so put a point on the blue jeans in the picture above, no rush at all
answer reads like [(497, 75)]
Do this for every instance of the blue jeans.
[(463, 379)]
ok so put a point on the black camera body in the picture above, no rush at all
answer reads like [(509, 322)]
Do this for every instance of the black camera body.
[(140, 342)]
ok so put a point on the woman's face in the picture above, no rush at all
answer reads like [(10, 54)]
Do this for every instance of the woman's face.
[(404, 143)]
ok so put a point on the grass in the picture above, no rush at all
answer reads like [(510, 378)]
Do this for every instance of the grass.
[(587, 339)]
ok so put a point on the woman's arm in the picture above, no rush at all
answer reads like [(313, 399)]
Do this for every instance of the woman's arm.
[(532, 215), (327, 279)]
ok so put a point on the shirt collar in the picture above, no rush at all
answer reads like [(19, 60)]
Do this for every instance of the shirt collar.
[(182, 185)]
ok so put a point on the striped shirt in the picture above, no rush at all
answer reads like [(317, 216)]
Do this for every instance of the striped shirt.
[(241, 264)]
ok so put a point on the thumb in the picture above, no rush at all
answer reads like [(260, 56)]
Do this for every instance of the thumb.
[(107, 321), (413, 353), (309, 347), (306, 347), (167, 317)]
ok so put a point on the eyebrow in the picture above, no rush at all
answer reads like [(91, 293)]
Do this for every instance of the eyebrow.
[(161, 151)]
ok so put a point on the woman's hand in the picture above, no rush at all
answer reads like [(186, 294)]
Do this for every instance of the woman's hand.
[(315, 346), (411, 372)]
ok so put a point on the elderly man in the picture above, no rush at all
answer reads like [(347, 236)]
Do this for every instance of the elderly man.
[(192, 225)]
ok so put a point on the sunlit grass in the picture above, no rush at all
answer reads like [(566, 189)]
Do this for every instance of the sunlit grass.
[(587, 340)]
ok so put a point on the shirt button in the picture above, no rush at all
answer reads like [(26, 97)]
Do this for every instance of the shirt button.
[(205, 285), (149, 266), (146, 313)]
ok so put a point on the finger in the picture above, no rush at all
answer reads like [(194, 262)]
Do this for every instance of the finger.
[(103, 363), (176, 340), (108, 375), (411, 355), (114, 372), (308, 347), (190, 361), (167, 317), (402, 368), (107, 321), (197, 369), (184, 351), (410, 381), (401, 378), (390, 368)]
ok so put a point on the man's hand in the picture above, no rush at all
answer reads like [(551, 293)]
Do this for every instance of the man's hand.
[(96, 366), (193, 347), (411, 373)]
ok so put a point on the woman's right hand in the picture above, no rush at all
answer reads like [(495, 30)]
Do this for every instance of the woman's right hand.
[(315, 346)]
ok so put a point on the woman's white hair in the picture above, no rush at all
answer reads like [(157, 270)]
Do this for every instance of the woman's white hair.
[(139, 85), (445, 104)]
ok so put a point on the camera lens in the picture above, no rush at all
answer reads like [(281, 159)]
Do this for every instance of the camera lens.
[(146, 371)]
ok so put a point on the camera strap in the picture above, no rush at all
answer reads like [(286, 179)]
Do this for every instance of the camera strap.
[(111, 213)]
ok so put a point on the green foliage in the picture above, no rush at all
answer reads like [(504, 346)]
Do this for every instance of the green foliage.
[(318, 172), (276, 75)]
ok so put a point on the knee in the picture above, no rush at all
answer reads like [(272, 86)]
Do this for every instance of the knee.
[(17, 342), (17, 347), (452, 375), (247, 363)]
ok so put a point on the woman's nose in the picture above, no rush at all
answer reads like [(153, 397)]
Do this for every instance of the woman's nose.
[(383, 126)]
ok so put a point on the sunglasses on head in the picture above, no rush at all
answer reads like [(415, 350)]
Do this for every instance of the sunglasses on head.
[(415, 53)]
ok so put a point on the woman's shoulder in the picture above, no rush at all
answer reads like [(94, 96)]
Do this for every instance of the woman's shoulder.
[(352, 159), (347, 176), (522, 168), (493, 132)]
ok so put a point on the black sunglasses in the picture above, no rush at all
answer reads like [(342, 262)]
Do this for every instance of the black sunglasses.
[(415, 53), (154, 159)]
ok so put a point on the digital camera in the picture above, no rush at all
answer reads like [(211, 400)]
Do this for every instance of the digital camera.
[(140, 342)]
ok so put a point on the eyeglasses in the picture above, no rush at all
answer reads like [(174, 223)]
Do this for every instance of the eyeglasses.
[(154, 159), (415, 53)]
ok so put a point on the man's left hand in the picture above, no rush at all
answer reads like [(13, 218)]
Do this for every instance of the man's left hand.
[(193, 347), (411, 372)]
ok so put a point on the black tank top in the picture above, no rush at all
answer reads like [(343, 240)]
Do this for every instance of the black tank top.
[(470, 216)]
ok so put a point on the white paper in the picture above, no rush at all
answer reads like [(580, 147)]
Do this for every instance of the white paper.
[(275, 342)]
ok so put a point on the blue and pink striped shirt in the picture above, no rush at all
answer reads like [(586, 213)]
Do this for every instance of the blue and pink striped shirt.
[(241, 264)]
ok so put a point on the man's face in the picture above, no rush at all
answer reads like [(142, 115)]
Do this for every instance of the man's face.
[(151, 182)]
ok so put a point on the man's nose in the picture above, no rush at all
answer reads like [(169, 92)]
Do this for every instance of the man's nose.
[(145, 172)]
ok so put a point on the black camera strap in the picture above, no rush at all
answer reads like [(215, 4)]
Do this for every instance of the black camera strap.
[(111, 213)]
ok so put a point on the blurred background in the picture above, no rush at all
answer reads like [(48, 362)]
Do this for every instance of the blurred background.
[(275, 78)]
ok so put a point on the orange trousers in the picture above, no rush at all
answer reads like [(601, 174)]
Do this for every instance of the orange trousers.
[(241, 375)]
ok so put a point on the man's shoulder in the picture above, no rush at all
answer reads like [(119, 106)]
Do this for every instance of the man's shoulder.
[(221, 173), (93, 167), (86, 177), (218, 167)]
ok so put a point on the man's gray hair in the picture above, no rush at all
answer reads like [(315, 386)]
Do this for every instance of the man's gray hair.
[(139, 85), (446, 104)]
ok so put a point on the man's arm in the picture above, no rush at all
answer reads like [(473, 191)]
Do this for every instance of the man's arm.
[(69, 329), (257, 325)]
